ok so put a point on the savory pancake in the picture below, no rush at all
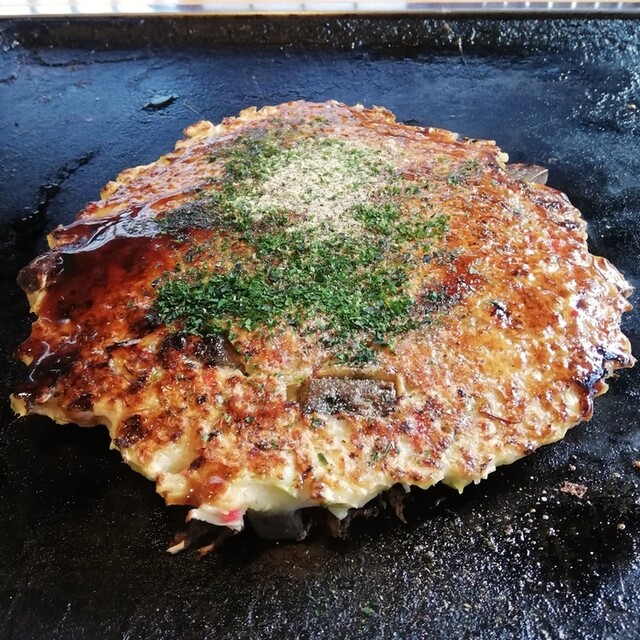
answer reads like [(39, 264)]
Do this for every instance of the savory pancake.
[(311, 303)]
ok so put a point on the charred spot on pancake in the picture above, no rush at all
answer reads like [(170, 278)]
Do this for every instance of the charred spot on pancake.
[(171, 343), (140, 327), (196, 463), (210, 350), (132, 430), (81, 403)]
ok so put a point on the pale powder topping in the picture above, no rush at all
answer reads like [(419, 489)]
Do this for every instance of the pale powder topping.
[(321, 181)]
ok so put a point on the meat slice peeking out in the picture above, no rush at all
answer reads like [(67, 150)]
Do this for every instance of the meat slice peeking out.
[(349, 392)]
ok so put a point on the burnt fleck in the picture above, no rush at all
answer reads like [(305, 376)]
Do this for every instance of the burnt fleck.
[(593, 381), (139, 383), (197, 463), (567, 223), (132, 431), (171, 343), (82, 403)]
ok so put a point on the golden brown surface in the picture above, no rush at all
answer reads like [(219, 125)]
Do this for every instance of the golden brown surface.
[(515, 325)]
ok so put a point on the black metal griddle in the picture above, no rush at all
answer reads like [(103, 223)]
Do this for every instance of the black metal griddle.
[(83, 537)]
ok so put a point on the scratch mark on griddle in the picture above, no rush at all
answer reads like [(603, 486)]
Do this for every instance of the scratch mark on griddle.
[(188, 106), (48, 191), (9, 79), (77, 62), (33, 223)]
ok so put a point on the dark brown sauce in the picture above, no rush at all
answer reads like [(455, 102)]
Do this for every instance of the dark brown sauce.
[(97, 291), (46, 369), (88, 234)]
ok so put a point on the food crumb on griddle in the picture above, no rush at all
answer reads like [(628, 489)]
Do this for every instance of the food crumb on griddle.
[(574, 489)]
